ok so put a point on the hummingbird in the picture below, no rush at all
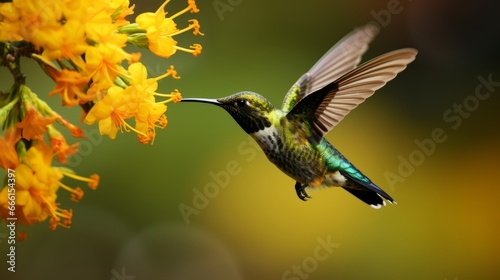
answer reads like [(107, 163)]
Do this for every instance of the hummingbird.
[(293, 137)]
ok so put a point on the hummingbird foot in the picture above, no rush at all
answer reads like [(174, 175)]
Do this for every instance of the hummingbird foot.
[(301, 191)]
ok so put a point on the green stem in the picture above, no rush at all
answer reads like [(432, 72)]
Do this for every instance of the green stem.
[(131, 29), (11, 53), (5, 112)]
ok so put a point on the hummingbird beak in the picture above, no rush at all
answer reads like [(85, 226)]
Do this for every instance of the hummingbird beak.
[(202, 100)]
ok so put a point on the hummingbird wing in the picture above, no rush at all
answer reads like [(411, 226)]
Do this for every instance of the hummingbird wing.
[(325, 108), (341, 58)]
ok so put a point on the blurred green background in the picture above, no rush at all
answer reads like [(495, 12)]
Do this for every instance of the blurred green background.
[(252, 226)]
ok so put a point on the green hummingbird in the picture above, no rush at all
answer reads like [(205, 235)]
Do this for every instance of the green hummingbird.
[(292, 137)]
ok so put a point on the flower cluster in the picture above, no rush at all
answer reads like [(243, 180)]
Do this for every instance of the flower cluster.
[(80, 45)]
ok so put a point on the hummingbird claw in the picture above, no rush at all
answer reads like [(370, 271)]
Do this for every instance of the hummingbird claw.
[(301, 191)]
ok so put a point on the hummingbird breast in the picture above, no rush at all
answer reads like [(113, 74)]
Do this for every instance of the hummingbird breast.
[(295, 158)]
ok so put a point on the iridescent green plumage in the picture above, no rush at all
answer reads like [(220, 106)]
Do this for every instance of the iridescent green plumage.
[(292, 137)]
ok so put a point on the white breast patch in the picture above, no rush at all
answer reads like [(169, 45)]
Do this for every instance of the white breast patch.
[(267, 138)]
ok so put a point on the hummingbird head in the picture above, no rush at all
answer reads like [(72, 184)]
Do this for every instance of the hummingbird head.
[(250, 110)]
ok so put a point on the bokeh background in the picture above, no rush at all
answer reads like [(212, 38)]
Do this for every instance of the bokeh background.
[(147, 219)]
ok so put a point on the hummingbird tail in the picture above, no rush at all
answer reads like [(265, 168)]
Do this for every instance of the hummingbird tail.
[(369, 197), (368, 192)]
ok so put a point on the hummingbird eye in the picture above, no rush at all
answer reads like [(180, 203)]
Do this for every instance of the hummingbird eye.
[(241, 102)]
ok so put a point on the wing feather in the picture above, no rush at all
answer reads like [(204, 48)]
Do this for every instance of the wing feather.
[(340, 59), (326, 107)]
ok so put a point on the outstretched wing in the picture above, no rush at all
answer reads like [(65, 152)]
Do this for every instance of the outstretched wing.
[(325, 108), (342, 57)]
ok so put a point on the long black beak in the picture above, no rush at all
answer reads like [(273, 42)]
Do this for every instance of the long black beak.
[(202, 100)]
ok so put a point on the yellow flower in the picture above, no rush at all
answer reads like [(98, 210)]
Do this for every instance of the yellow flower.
[(8, 156), (41, 21), (70, 84), (37, 183), (103, 63), (36, 186), (34, 124), (59, 145), (136, 100), (52, 27), (67, 41), (95, 19), (160, 30), (120, 10), (9, 23), (73, 129), (112, 111), (81, 46), (149, 116)]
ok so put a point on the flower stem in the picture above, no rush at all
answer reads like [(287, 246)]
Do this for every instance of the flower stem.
[(10, 55)]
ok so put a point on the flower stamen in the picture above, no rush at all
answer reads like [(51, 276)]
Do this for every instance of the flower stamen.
[(76, 193), (174, 96), (195, 25), (58, 213), (128, 127), (170, 72), (191, 7), (195, 49), (92, 182)]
